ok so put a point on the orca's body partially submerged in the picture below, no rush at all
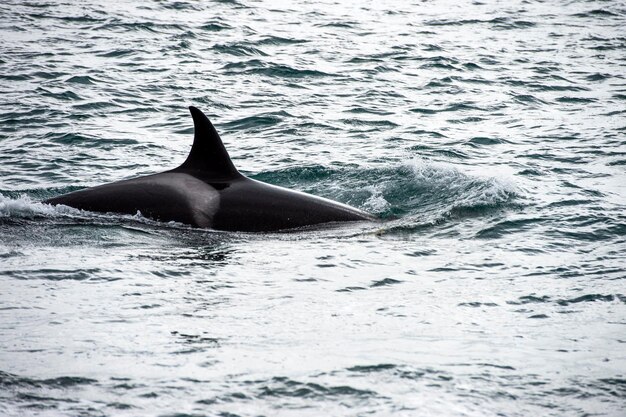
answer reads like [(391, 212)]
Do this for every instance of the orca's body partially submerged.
[(207, 191)]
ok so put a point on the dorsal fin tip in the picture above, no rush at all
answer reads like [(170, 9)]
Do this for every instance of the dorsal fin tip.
[(199, 117), (207, 155), (195, 111)]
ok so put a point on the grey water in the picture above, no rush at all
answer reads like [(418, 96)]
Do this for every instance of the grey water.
[(489, 137)]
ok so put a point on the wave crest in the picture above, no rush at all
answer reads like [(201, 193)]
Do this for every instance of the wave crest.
[(412, 188), (25, 207)]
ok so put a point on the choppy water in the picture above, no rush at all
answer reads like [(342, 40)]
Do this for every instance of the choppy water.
[(489, 136)]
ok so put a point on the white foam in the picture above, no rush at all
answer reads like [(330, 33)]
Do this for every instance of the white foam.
[(376, 202), (24, 206), (470, 190)]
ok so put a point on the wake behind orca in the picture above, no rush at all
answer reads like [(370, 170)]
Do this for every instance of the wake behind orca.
[(207, 191)]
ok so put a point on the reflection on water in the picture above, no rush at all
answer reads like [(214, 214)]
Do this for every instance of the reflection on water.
[(488, 138)]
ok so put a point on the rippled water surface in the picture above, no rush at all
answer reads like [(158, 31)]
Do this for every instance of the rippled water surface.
[(489, 137)]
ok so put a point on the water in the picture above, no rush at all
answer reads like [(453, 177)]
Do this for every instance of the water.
[(489, 137)]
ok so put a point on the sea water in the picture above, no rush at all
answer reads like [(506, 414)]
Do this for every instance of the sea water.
[(489, 137)]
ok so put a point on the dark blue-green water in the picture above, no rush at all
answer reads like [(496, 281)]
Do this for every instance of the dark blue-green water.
[(490, 137)]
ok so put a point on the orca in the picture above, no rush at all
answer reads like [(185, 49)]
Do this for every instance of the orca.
[(207, 191)]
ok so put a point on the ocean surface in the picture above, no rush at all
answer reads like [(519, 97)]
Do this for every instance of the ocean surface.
[(488, 137)]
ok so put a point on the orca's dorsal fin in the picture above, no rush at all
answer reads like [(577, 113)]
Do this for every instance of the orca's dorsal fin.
[(208, 157)]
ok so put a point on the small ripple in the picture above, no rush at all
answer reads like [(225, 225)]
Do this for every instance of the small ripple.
[(15, 77), (369, 110), (430, 133), (477, 304), (81, 79), (575, 100), (257, 122), (508, 227), (568, 203), (615, 387), (71, 19), (87, 141), (238, 49), (277, 40), (95, 105), (596, 13), (193, 343), (150, 27), (281, 387), (339, 25), (534, 299), (598, 77), (258, 67), (66, 95), (351, 289), (543, 87), (372, 368), (181, 5), (457, 107), (10, 254), (420, 253), (527, 99), (51, 274), (48, 75), (592, 298), (385, 282), (11, 380), (378, 124), (497, 23), (117, 53), (215, 26), (481, 140)]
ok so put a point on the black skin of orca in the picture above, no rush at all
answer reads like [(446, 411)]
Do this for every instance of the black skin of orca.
[(207, 191)]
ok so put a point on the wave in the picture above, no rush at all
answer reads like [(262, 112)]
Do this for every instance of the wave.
[(410, 188), (22, 208), (25, 207)]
